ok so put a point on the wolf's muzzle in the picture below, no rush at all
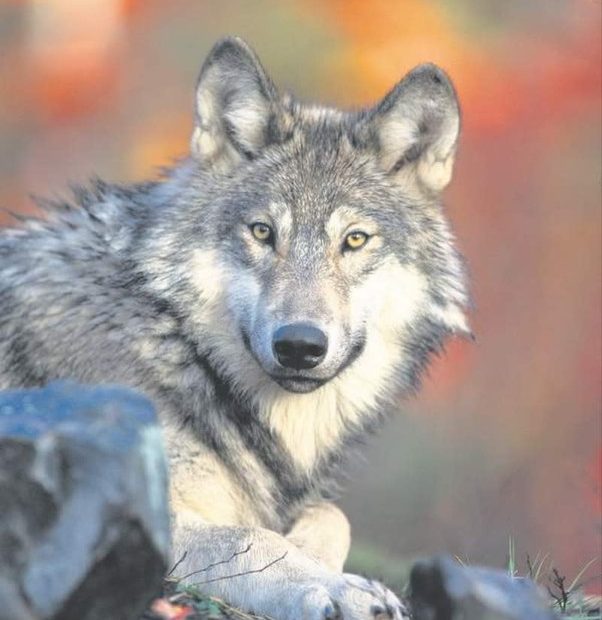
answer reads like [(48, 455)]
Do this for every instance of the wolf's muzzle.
[(299, 346)]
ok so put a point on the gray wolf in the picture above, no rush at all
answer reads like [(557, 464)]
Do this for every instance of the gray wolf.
[(275, 293)]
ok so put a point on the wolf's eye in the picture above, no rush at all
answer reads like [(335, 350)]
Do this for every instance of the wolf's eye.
[(355, 240), (262, 232)]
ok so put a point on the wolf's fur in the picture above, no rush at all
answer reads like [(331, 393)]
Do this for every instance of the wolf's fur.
[(162, 286)]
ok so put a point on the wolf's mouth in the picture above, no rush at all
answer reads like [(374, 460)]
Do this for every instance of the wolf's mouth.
[(300, 385)]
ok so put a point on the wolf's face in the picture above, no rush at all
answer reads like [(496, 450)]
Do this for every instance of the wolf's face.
[(316, 245), (326, 232)]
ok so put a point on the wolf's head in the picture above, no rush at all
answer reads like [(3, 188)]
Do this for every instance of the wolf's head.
[(319, 253)]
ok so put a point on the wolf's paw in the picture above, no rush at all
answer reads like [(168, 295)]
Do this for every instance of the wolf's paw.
[(349, 597), (360, 599)]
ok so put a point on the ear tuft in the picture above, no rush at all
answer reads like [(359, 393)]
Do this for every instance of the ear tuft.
[(235, 100), (417, 127)]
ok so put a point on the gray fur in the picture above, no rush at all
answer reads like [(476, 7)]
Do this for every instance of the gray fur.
[(112, 289)]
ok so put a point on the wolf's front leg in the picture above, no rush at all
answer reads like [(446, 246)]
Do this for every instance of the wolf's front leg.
[(260, 571), (322, 532)]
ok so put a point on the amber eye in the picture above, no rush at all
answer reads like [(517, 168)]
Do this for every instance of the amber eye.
[(262, 232), (355, 240)]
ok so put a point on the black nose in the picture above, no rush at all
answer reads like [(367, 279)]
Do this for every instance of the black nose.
[(299, 345)]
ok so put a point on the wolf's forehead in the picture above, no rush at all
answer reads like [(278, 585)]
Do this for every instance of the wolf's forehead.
[(326, 198), (318, 174)]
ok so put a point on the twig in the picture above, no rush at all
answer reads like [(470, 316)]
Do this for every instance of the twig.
[(530, 568), (210, 566), (562, 597), (246, 572), (233, 610), (173, 568)]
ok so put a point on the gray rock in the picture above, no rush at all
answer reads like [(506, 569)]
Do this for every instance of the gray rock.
[(84, 520), (442, 589)]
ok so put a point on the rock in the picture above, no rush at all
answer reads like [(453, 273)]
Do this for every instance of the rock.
[(442, 589), (84, 518)]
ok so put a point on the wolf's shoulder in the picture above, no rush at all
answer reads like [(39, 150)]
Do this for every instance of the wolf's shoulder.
[(96, 220)]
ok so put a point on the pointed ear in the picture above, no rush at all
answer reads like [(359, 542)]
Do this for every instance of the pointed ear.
[(417, 126), (235, 101)]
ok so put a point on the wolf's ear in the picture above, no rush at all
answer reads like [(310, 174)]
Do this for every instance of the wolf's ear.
[(235, 100), (417, 126)]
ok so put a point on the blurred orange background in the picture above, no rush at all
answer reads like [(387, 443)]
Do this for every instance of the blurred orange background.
[(505, 439)]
